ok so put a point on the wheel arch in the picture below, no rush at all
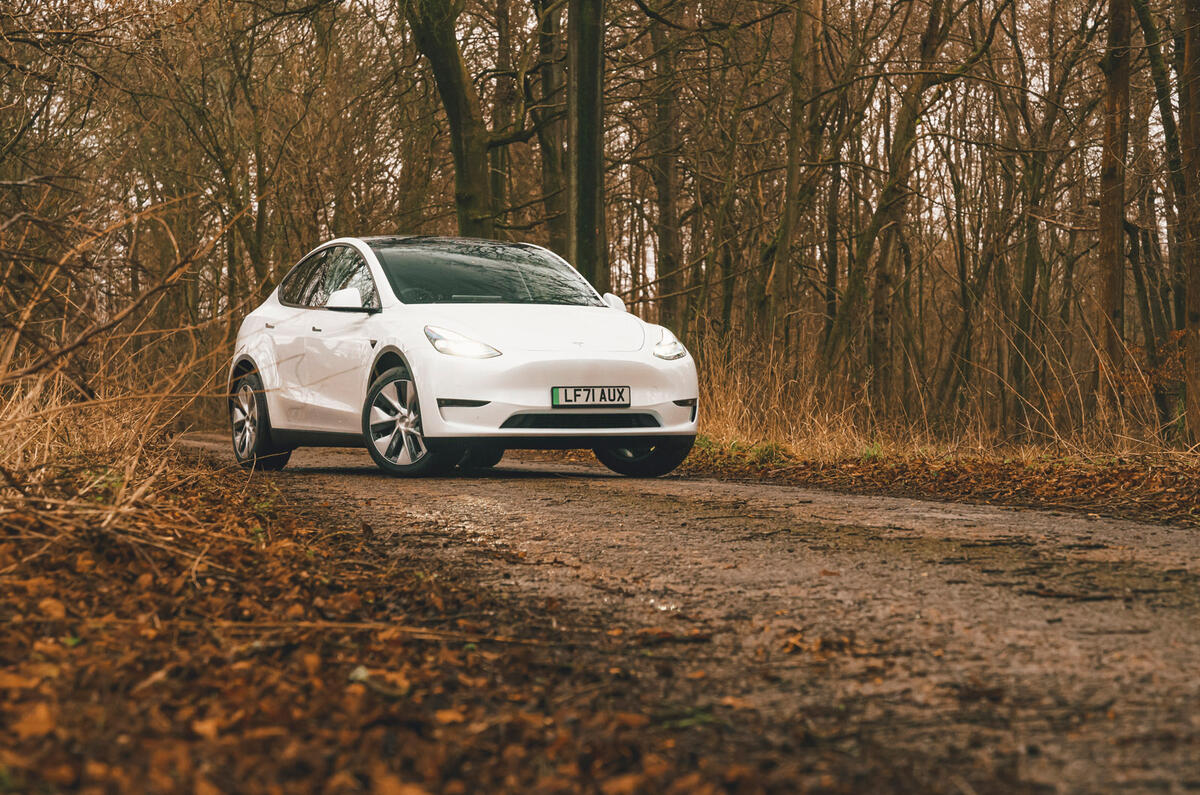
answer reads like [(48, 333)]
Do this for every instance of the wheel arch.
[(241, 365), (385, 360)]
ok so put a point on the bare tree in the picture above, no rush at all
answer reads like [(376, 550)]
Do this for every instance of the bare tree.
[(434, 24), (1112, 192), (585, 139)]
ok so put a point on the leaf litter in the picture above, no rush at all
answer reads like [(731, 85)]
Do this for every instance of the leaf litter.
[(210, 635)]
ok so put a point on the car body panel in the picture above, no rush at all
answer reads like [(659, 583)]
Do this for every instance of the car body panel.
[(272, 338), (520, 382), (336, 359), (522, 327)]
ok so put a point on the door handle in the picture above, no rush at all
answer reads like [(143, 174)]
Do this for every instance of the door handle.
[(314, 328), (270, 325)]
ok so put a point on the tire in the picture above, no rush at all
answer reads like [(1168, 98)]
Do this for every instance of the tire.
[(391, 425), (481, 456), (648, 460), (250, 427)]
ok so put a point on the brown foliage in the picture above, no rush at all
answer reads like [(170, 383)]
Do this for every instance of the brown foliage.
[(1149, 488), (218, 639)]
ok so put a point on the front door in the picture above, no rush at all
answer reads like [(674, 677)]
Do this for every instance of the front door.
[(340, 348)]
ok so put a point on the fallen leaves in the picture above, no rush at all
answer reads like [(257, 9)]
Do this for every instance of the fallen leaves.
[(36, 721), (207, 728), (630, 720), (653, 636), (390, 784), (158, 676), (311, 663), (627, 784), (1150, 488), (14, 681), (446, 716), (205, 642), (52, 608)]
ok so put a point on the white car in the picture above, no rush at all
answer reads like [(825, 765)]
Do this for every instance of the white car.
[(434, 352)]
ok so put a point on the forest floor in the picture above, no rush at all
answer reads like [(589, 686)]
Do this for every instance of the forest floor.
[(549, 627)]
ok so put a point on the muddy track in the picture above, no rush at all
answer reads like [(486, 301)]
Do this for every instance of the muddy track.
[(1035, 650)]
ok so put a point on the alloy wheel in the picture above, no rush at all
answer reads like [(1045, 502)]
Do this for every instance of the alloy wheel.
[(396, 424), (245, 421)]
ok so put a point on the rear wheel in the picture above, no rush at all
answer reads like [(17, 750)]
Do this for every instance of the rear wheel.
[(251, 426), (648, 459), (392, 427)]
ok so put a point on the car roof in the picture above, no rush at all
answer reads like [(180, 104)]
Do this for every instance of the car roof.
[(438, 242)]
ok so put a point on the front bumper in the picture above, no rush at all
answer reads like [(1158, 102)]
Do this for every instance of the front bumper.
[(518, 383)]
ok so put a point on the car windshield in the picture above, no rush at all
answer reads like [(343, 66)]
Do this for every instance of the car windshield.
[(478, 271)]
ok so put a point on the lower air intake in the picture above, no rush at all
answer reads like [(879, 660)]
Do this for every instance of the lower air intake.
[(592, 421)]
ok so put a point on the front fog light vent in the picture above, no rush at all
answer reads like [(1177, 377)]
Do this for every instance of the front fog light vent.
[(688, 402), (448, 403)]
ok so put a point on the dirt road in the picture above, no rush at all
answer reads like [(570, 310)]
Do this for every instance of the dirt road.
[(1032, 650)]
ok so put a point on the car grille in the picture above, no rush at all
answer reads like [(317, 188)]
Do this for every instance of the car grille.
[(554, 420)]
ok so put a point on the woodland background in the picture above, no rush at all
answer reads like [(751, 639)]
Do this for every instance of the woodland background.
[(942, 219), (934, 248)]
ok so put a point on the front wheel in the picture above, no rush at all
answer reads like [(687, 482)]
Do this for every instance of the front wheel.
[(392, 427), (646, 459)]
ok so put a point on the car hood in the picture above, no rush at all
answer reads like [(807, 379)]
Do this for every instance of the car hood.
[(541, 327)]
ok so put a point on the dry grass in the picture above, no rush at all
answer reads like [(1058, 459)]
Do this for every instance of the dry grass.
[(755, 400), (102, 456), (75, 469)]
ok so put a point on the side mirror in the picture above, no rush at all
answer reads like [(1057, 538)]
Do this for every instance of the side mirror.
[(615, 302), (347, 300)]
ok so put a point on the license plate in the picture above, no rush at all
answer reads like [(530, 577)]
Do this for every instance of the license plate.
[(589, 397)]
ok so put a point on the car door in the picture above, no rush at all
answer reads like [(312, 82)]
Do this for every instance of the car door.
[(288, 328), (339, 349)]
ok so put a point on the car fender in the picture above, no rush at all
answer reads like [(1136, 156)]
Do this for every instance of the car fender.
[(238, 361), (392, 349), (257, 351)]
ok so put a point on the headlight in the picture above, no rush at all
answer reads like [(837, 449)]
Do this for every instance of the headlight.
[(452, 343), (669, 348)]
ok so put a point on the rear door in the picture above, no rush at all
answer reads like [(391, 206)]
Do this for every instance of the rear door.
[(339, 350), (289, 332)]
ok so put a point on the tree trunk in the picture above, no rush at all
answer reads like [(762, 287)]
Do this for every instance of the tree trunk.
[(433, 23), (664, 144), (550, 124), (1162, 93), (585, 139), (1115, 66), (502, 110), (832, 231), (1189, 101), (779, 279)]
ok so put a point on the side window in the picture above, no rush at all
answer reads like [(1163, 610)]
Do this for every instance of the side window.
[(347, 268), (316, 292), (294, 286)]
